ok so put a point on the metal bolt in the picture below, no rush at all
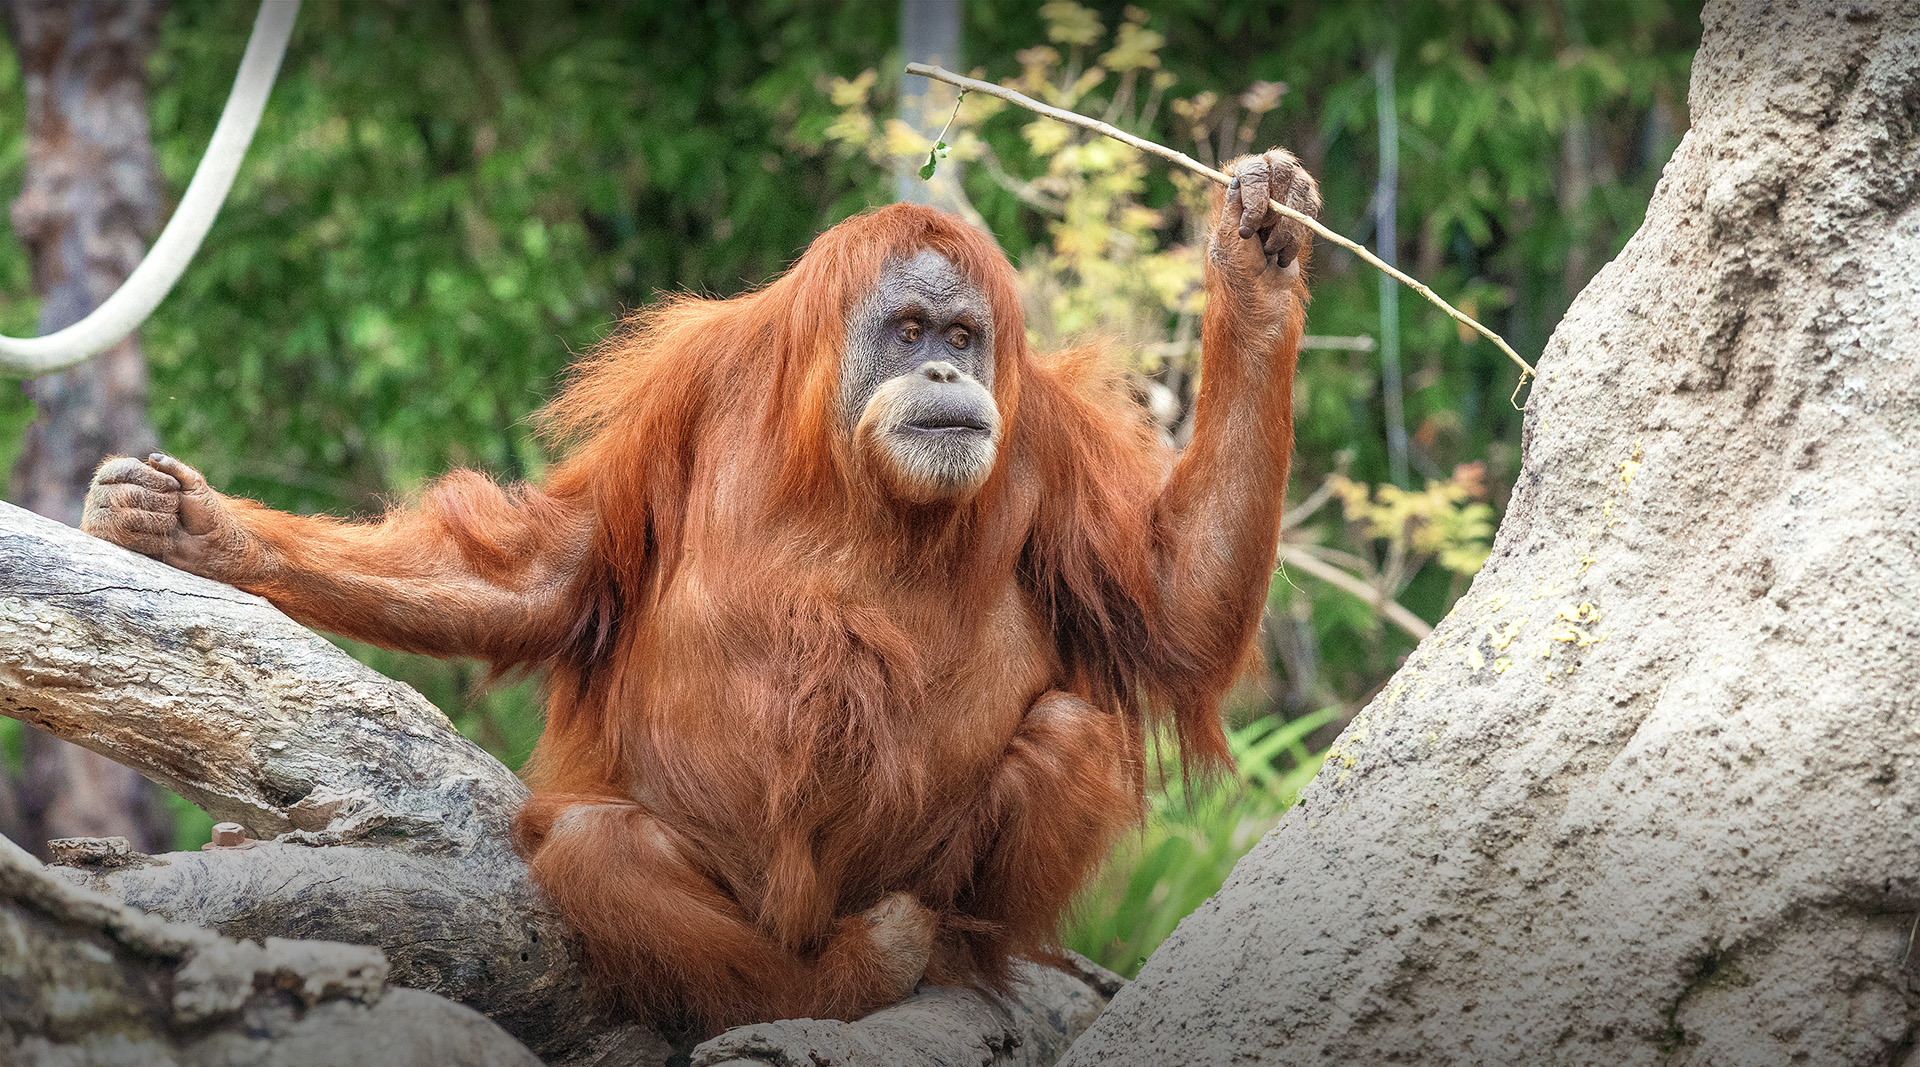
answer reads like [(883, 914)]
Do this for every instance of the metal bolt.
[(229, 834)]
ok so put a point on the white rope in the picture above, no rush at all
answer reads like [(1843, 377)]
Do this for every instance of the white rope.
[(129, 306)]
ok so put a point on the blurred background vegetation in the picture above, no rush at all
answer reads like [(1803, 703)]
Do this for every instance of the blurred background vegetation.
[(447, 201)]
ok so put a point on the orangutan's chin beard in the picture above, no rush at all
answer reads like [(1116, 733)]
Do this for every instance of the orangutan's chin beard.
[(930, 443)]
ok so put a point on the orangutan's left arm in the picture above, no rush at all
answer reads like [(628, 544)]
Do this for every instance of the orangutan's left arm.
[(1218, 518)]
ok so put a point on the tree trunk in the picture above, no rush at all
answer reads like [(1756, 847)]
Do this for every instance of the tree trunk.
[(929, 33), (1650, 793), (90, 199), (377, 825)]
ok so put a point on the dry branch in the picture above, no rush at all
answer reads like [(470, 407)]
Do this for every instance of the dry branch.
[(1392, 610), (388, 828), (1012, 96)]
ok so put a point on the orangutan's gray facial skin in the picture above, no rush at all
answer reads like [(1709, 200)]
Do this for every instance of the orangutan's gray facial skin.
[(917, 379)]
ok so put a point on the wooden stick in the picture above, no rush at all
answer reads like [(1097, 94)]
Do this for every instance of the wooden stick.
[(1392, 609), (1181, 158)]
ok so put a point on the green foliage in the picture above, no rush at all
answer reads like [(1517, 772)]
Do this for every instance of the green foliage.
[(444, 203), (18, 307), (191, 826), (934, 155), (1445, 522), (1191, 840), (12, 758)]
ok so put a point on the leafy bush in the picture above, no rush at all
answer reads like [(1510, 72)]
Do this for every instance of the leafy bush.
[(1191, 840)]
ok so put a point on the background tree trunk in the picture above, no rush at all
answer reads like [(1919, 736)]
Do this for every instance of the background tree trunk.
[(929, 33), (1649, 794), (90, 199)]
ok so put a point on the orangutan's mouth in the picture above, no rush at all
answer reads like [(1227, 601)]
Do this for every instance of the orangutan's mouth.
[(948, 425)]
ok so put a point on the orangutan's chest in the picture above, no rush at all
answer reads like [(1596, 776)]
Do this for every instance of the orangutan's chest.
[(935, 667)]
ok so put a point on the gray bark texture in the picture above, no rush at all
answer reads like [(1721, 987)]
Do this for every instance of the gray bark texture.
[(376, 823), (87, 980), (90, 199), (1651, 793)]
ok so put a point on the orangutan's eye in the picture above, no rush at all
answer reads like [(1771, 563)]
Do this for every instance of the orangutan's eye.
[(959, 338), (909, 332)]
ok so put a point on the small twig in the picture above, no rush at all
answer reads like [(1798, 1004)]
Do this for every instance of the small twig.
[(1182, 159), (940, 142), (1391, 609), (1296, 515), (957, 101)]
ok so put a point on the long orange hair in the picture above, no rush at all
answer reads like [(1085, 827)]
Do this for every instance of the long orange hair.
[(757, 376)]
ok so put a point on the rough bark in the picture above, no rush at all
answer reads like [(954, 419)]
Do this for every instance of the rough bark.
[(90, 198), (1649, 793), (388, 828), (88, 981)]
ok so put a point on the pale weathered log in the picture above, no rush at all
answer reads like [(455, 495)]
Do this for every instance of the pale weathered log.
[(1649, 794), (89, 982), (936, 1028), (217, 695), (383, 826)]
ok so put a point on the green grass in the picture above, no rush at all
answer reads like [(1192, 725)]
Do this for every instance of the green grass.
[(1192, 838)]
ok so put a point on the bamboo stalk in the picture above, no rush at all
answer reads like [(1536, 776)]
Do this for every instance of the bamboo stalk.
[(974, 85)]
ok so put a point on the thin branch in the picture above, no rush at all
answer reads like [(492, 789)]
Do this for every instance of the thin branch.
[(1308, 342), (1182, 159), (1025, 191), (1294, 516), (1357, 564), (1397, 571), (1390, 609), (1355, 343)]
